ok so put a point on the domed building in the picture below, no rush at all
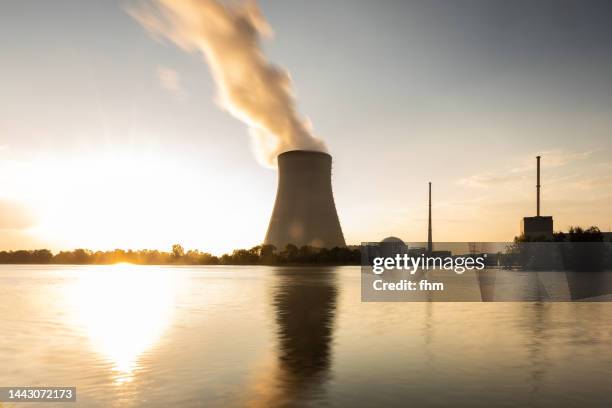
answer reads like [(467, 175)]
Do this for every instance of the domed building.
[(391, 246)]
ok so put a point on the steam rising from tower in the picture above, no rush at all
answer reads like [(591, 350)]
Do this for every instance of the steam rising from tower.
[(250, 88), (304, 212)]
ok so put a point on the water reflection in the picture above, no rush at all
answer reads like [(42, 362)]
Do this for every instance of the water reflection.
[(124, 310), (537, 340), (261, 336), (304, 302), (540, 286)]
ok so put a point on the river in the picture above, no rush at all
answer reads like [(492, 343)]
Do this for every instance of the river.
[(227, 336)]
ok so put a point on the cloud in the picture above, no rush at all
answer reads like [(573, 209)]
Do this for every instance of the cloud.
[(557, 158), (170, 80), (493, 179), (596, 182), (514, 176)]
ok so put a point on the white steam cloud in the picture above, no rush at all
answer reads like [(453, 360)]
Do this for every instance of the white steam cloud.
[(250, 88)]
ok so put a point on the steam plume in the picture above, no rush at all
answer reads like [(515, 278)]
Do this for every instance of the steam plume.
[(250, 88)]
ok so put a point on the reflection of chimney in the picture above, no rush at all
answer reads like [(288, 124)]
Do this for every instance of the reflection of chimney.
[(304, 212), (429, 238), (538, 186)]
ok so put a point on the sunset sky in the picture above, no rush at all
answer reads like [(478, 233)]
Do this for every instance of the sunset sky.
[(111, 138)]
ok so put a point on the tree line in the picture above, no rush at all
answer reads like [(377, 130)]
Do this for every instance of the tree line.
[(574, 234), (258, 255)]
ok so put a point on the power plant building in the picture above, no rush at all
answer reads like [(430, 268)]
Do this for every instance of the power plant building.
[(538, 227)]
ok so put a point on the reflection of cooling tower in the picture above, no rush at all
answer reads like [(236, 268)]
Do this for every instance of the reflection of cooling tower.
[(304, 212)]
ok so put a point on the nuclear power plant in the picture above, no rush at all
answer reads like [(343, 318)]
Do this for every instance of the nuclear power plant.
[(304, 212), (538, 226)]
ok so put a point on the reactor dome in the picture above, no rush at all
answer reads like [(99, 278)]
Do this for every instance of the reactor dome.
[(392, 246)]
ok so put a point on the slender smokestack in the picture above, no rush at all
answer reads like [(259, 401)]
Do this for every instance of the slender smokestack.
[(538, 187), (429, 237), (304, 212)]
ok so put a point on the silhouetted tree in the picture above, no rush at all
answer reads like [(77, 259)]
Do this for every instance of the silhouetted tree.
[(178, 251), (267, 255), (257, 255), (591, 234), (290, 253)]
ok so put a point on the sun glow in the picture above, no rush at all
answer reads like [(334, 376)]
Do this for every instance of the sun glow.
[(128, 199), (113, 201), (124, 310)]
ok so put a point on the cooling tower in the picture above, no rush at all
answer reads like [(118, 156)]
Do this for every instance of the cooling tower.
[(304, 211)]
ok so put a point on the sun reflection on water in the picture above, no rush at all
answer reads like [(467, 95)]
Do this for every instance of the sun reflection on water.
[(124, 310)]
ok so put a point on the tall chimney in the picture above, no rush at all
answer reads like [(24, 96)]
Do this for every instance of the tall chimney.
[(304, 212), (429, 237), (538, 187)]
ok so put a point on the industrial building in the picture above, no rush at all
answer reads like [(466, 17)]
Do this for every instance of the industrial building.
[(539, 227)]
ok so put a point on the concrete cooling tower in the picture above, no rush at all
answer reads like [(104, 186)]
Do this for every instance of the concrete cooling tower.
[(304, 211)]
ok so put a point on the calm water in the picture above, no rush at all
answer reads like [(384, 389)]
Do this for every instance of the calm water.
[(262, 336)]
